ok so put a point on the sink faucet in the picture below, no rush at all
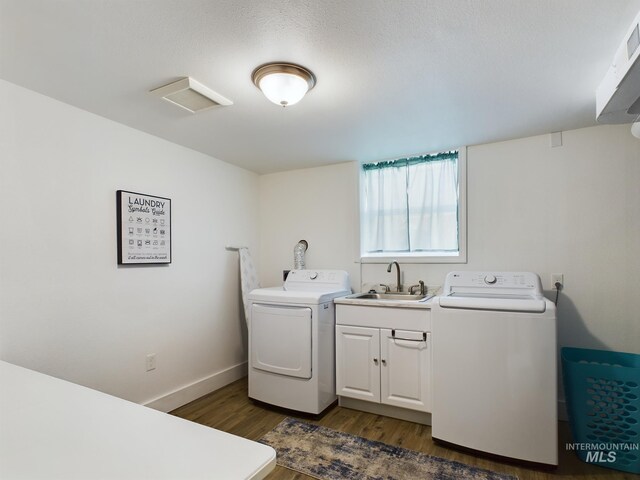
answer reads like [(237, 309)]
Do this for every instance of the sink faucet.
[(398, 284)]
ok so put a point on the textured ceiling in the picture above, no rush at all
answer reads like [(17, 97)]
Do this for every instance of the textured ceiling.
[(394, 77)]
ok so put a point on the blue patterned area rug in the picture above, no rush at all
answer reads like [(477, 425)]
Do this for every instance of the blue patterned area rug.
[(331, 455)]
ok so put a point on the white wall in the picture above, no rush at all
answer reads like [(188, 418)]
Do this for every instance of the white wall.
[(573, 209), (319, 205), (66, 308)]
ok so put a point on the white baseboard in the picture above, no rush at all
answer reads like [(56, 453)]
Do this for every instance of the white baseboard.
[(188, 393)]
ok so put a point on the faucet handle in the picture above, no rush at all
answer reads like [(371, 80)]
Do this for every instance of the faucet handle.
[(386, 288), (420, 285)]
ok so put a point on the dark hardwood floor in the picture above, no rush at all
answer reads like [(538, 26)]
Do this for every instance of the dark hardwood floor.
[(229, 409)]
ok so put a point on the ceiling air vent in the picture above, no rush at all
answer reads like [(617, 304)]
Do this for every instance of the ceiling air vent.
[(191, 95)]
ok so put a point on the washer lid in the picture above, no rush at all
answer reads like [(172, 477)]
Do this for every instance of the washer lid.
[(281, 296), (509, 303)]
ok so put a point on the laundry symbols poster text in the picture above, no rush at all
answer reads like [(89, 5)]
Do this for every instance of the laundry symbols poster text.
[(144, 228)]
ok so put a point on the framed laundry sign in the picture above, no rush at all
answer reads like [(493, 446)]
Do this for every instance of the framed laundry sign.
[(144, 228)]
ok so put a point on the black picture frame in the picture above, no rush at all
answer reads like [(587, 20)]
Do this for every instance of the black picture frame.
[(144, 228)]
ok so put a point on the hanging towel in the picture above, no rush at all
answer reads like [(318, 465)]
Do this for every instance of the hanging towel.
[(248, 278)]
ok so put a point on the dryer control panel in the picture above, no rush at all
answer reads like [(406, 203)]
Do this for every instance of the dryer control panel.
[(317, 280)]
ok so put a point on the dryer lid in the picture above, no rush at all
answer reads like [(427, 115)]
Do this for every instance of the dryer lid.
[(284, 297)]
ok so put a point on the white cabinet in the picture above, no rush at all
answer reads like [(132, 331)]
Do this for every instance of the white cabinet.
[(387, 366)]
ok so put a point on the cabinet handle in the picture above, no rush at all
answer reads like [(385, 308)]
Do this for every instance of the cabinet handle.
[(384, 362), (375, 361), (424, 337)]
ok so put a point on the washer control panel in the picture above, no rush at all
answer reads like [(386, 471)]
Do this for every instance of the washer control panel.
[(496, 282)]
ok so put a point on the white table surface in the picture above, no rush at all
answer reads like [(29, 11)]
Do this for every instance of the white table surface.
[(53, 429)]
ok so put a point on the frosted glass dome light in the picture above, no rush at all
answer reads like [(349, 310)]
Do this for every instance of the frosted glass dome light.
[(284, 84)]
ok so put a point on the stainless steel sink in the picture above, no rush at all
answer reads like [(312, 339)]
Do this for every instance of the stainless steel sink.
[(389, 296)]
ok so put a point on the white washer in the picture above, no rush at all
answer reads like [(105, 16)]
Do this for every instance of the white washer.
[(494, 366), (291, 340)]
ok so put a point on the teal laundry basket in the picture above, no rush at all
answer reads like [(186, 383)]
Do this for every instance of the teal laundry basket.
[(602, 389)]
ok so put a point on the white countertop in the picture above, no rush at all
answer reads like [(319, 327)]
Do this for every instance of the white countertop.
[(53, 429), (369, 302)]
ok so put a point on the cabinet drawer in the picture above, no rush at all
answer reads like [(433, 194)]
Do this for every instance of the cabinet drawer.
[(384, 317)]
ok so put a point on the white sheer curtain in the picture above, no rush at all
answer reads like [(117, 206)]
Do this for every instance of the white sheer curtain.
[(433, 206), (411, 206), (384, 210)]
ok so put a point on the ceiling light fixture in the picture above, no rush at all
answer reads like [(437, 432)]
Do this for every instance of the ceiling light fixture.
[(284, 84)]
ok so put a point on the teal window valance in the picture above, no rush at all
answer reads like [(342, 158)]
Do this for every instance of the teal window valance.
[(405, 162)]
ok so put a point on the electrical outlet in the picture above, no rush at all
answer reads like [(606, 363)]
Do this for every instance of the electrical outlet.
[(151, 362), (557, 278)]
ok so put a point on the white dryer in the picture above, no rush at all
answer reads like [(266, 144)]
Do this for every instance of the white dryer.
[(291, 340), (494, 365)]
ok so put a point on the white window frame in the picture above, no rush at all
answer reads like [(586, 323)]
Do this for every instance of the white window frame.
[(426, 257)]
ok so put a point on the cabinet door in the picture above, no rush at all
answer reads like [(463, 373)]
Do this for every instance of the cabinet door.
[(357, 362), (405, 369)]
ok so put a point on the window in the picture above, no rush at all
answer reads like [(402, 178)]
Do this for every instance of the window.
[(414, 207)]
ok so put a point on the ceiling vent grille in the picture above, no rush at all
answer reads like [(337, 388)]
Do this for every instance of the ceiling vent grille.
[(191, 95)]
